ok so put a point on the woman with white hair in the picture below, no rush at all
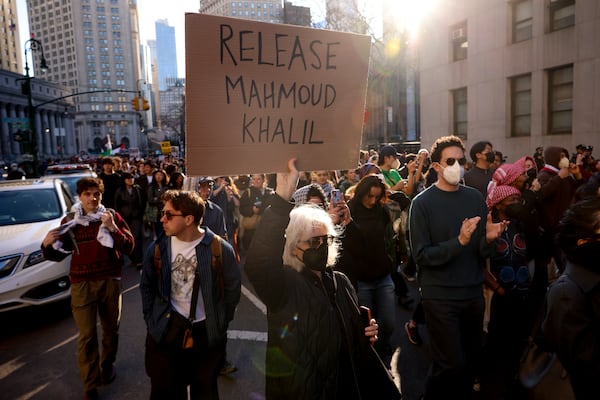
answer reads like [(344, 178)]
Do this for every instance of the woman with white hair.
[(318, 347)]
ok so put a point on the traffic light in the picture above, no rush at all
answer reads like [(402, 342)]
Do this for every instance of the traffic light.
[(145, 105), (135, 103)]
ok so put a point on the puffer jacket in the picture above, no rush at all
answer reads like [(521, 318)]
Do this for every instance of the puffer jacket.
[(315, 343)]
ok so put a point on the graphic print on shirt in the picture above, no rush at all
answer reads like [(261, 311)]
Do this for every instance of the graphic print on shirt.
[(182, 277)]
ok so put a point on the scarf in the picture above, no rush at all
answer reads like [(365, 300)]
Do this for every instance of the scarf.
[(103, 237)]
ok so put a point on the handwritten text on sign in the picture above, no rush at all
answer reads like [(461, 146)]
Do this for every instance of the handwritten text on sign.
[(264, 92)]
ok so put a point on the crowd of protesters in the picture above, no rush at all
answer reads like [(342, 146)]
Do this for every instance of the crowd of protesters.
[(475, 235)]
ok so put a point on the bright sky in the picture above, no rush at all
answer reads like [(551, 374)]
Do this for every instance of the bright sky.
[(411, 12), (174, 11)]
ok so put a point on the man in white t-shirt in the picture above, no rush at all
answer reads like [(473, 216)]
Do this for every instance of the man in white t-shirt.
[(182, 257)]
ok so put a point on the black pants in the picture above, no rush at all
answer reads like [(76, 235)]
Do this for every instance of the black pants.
[(171, 370), (455, 330)]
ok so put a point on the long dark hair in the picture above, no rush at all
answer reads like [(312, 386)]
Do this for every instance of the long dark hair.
[(363, 187), (165, 180)]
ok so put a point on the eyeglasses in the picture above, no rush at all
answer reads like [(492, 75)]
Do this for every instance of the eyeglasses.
[(316, 241), (450, 161), (169, 215)]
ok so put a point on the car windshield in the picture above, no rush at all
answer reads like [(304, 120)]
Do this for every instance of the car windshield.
[(71, 182), (27, 206)]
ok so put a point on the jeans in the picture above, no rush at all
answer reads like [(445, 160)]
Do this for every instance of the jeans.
[(104, 299), (380, 298), (172, 370)]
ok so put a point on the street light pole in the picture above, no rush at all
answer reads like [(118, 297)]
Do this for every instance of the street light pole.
[(33, 45)]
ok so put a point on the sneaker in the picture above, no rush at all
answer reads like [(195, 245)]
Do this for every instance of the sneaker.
[(109, 375), (228, 368), (91, 394), (413, 334)]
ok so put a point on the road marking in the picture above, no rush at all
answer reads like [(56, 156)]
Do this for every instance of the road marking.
[(131, 288), (254, 300), (10, 366), (64, 342), (247, 335), (35, 391)]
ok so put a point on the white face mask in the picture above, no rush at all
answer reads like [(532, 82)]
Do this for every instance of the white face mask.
[(563, 163), (396, 164), (453, 174)]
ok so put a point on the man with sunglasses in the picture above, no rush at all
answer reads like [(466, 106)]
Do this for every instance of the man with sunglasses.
[(480, 174), (187, 280), (451, 234)]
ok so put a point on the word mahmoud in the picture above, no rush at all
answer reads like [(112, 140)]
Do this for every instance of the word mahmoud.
[(272, 95)]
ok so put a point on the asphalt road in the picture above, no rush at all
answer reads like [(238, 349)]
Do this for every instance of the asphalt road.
[(38, 352)]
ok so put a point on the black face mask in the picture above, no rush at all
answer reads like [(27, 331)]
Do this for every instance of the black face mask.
[(316, 259), (490, 157), (514, 211), (587, 255)]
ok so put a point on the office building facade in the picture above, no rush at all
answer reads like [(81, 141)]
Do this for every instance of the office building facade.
[(519, 73), (92, 47)]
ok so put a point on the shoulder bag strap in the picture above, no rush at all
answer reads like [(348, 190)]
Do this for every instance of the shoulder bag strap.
[(195, 290)]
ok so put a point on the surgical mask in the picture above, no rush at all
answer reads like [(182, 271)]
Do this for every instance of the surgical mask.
[(453, 173), (563, 163), (490, 157), (316, 259), (396, 164)]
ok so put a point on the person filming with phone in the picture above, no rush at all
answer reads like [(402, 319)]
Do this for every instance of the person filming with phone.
[(318, 346)]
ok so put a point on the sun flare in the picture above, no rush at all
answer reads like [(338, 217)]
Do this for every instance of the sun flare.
[(410, 13)]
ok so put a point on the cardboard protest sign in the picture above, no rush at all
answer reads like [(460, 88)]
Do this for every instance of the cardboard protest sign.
[(258, 94)]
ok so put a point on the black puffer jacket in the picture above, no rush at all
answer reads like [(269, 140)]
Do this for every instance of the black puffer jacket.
[(311, 354)]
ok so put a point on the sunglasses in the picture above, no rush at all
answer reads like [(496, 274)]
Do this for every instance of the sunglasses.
[(169, 215), (316, 241), (450, 161)]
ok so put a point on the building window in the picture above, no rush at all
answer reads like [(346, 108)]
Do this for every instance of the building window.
[(459, 112), (520, 105), (561, 14), (560, 100), (522, 21), (458, 41)]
